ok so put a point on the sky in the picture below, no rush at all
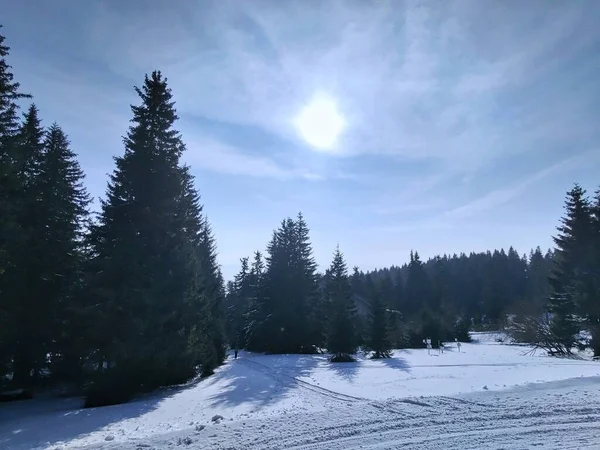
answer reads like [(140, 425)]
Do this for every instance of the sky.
[(454, 126)]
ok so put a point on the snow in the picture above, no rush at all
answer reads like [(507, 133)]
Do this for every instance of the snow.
[(489, 395)]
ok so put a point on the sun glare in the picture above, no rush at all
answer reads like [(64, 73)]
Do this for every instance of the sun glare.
[(319, 123)]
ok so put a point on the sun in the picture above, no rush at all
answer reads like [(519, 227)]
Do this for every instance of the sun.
[(319, 123)]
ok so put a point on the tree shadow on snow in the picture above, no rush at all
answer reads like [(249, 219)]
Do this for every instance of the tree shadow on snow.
[(260, 381), (345, 370), (396, 362), (44, 421)]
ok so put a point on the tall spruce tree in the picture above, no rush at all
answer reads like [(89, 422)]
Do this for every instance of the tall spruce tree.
[(418, 290), (26, 277), (591, 303), (310, 323), (64, 202), (252, 312), (283, 318), (538, 286), (342, 339), (238, 300), (153, 275), (378, 340), (571, 259), (11, 233)]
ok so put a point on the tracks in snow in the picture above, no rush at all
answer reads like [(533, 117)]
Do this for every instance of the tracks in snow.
[(278, 375), (485, 421)]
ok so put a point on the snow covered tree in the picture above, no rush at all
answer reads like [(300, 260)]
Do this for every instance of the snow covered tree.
[(342, 339)]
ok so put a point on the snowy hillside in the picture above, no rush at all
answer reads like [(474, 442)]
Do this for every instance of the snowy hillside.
[(461, 400)]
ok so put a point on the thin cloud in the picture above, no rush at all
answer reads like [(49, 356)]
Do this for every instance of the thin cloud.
[(421, 80), (206, 153), (503, 196)]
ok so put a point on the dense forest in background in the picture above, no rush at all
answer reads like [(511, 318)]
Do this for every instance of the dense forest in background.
[(132, 298)]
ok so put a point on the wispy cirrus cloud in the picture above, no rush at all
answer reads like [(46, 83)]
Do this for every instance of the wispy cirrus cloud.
[(504, 195)]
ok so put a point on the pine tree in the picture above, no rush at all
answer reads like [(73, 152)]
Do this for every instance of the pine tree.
[(153, 275), (418, 290), (252, 316), (213, 293), (63, 202), (25, 279), (310, 324), (238, 305), (571, 256), (284, 318), (591, 304), (11, 233), (378, 341), (538, 286), (342, 340)]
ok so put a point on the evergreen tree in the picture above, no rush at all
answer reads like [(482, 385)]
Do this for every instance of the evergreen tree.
[(417, 285), (154, 281), (571, 257), (25, 286), (285, 318), (212, 293), (538, 286), (591, 303), (252, 315), (64, 202), (238, 300), (342, 338), (310, 323), (378, 341), (11, 233)]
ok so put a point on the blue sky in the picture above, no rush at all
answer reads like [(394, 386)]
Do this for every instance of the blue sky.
[(465, 121)]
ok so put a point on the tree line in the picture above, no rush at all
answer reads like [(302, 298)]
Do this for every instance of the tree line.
[(115, 303), (281, 304)]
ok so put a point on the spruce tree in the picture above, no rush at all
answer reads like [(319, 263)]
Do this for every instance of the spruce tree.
[(283, 318), (64, 202), (153, 276), (342, 339), (11, 233), (310, 323), (25, 284), (571, 257), (418, 289), (238, 305), (378, 340), (591, 304), (538, 286), (252, 314)]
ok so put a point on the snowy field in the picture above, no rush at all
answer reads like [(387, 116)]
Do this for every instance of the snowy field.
[(488, 396)]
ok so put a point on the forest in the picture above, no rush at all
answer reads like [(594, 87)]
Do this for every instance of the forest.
[(131, 298)]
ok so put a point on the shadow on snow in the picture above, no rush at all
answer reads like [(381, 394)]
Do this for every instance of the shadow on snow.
[(251, 381), (44, 421)]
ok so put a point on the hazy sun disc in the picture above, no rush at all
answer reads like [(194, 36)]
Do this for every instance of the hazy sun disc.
[(319, 123)]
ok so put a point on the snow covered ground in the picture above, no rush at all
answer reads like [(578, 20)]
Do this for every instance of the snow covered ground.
[(488, 396)]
